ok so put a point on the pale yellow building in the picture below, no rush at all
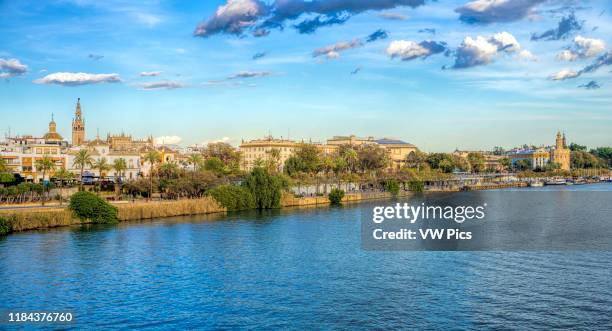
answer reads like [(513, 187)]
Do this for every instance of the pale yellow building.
[(260, 150)]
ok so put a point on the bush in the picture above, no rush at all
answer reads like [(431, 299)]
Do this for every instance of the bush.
[(5, 226), (266, 188), (393, 187), (233, 197), (416, 186), (335, 196), (87, 205)]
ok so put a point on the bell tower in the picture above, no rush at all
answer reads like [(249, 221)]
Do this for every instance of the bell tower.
[(78, 126)]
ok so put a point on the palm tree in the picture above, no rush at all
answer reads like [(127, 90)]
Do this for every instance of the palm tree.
[(62, 174), (195, 160), (120, 166), (45, 164), (101, 165), (153, 157), (82, 159)]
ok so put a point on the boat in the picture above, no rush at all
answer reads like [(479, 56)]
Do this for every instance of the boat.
[(555, 182), (536, 184), (569, 183)]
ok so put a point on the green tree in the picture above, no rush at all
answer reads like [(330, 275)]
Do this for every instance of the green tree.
[(604, 153), (63, 175), (196, 161), (102, 166), (266, 188), (523, 165), (3, 165), (505, 163), (335, 196), (575, 147), (215, 165), (446, 166), (120, 166), (416, 159), (476, 161), (153, 158), (82, 159), (45, 164)]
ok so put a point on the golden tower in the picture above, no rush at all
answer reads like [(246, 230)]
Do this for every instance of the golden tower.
[(561, 154), (78, 126)]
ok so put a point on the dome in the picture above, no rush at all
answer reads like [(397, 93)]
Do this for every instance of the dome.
[(52, 136)]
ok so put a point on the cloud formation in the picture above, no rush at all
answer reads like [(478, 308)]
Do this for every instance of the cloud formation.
[(78, 78), (167, 140), (566, 27), (11, 68), (150, 73), (95, 57), (259, 55), (232, 18), (377, 35), (483, 50), (582, 48), (333, 51), (161, 85), (564, 74), (592, 85), (238, 16), (249, 74), (410, 50), (491, 11), (428, 30), (393, 16)]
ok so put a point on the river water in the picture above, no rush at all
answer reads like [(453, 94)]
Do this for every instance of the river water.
[(301, 269)]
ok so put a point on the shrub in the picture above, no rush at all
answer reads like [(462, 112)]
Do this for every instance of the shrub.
[(393, 187), (335, 196), (416, 186), (5, 226), (233, 197), (87, 205), (266, 188)]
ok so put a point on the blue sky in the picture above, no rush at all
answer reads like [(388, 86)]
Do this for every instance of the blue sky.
[(518, 78)]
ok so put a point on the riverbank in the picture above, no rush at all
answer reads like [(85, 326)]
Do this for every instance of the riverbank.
[(50, 217)]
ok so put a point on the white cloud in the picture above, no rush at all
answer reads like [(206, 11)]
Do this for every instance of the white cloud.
[(333, 51), (564, 74), (249, 74), (490, 11), (78, 78), (161, 85), (221, 140), (527, 55), (567, 55), (168, 140), (406, 49), (233, 18), (12, 67), (483, 50), (150, 73), (393, 16), (582, 48)]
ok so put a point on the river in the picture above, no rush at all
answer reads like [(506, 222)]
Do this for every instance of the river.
[(297, 268)]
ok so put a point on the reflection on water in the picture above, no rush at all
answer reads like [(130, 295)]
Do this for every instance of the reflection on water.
[(300, 268)]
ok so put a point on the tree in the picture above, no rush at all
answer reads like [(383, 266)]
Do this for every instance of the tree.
[(195, 160), (416, 159), (63, 175), (273, 161), (476, 161), (310, 157), (102, 166), (583, 160), (120, 166), (523, 165), (575, 147), (446, 166), (215, 165), (505, 163), (46, 164), (266, 188), (82, 159), (3, 165), (153, 158), (372, 157), (604, 153)]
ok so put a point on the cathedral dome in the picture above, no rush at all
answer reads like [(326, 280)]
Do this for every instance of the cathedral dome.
[(52, 134)]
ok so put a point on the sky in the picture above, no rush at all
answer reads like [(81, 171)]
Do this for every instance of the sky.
[(439, 74)]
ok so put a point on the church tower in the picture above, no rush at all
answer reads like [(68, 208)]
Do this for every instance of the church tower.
[(78, 126)]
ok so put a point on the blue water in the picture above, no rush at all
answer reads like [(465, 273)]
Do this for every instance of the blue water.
[(300, 269)]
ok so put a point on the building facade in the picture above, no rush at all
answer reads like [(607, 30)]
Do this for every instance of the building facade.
[(561, 154), (78, 126)]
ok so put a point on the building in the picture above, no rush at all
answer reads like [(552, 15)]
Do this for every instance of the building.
[(561, 154), (261, 150), (78, 126), (542, 157), (397, 150), (538, 158)]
